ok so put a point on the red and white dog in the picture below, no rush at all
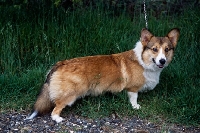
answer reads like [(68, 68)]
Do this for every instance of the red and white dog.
[(134, 70)]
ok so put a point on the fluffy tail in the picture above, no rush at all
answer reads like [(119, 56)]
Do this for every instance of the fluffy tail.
[(43, 104)]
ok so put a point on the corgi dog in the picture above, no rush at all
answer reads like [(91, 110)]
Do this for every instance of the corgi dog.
[(135, 70)]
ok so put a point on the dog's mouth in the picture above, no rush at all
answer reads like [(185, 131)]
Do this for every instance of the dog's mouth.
[(160, 65)]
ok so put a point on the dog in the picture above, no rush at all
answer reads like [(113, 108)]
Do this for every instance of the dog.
[(135, 70)]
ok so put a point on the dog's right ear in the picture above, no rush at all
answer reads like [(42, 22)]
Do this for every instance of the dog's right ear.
[(145, 36)]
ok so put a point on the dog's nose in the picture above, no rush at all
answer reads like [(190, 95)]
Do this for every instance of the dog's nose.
[(162, 61)]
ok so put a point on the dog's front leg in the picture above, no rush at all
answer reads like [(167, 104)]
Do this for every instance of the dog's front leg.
[(133, 99)]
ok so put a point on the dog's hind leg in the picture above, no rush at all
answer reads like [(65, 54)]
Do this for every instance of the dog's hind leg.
[(59, 105)]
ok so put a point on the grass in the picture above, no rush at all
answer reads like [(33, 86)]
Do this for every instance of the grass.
[(30, 44)]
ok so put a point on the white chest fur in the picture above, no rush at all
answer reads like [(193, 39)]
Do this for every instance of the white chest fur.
[(151, 80)]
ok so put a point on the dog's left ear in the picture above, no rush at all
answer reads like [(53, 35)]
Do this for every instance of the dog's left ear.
[(173, 36), (146, 35)]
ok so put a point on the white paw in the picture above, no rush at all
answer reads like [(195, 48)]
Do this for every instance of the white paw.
[(57, 118), (136, 106)]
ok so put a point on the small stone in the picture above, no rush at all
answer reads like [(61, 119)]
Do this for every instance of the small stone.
[(94, 126), (113, 116), (15, 129), (67, 124), (107, 123)]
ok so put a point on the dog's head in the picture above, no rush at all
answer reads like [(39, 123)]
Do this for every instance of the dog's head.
[(158, 51)]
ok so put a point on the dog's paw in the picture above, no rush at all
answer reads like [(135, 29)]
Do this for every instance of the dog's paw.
[(57, 118), (136, 106)]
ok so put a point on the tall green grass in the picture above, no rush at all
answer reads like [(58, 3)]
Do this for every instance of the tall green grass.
[(32, 43)]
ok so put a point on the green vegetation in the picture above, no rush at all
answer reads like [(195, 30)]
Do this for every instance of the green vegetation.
[(31, 42)]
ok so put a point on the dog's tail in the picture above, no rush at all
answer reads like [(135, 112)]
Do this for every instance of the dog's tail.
[(43, 103)]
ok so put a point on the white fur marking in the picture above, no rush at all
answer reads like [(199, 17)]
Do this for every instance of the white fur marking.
[(159, 57), (152, 79), (32, 115), (133, 99), (138, 51), (57, 118)]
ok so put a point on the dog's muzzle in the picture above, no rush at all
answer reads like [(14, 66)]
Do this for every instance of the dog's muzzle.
[(161, 62)]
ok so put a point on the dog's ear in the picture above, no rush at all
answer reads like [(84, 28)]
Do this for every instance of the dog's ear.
[(173, 36), (145, 36)]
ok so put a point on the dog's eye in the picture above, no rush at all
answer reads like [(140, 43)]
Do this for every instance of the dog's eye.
[(166, 49), (155, 49)]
